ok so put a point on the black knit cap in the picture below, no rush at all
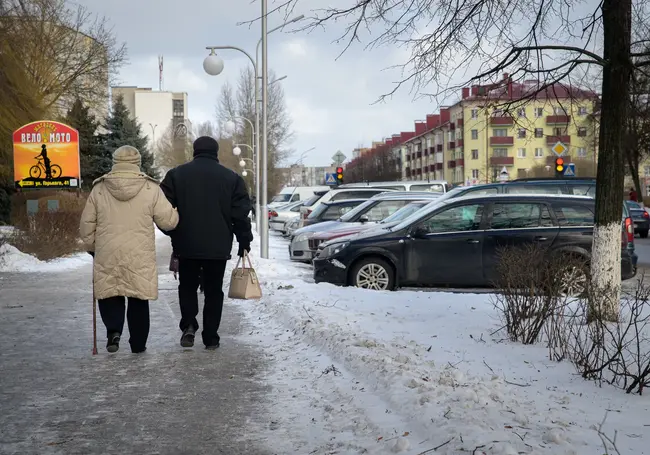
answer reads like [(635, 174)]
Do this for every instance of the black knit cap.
[(207, 145)]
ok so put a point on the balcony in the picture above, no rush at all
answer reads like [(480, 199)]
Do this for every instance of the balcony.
[(552, 140), (451, 164), (558, 119), (459, 122), (451, 145), (420, 154), (439, 147), (502, 161), (502, 140), (502, 120), (460, 162), (452, 126), (439, 166), (459, 143), (408, 157), (432, 168), (408, 171), (432, 150)]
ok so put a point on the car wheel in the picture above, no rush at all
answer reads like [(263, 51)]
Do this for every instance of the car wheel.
[(574, 279), (643, 234), (373, 273)]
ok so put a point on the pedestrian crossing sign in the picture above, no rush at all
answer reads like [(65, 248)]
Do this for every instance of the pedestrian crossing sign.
[(570, 170), (330, 179)]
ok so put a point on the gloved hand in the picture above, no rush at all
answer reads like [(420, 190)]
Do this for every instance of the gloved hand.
[(243, 247), (92, 253)]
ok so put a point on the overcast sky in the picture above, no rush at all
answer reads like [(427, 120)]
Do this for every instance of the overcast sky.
[(330, 101)]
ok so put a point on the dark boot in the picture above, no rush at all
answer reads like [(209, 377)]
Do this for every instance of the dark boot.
[(187, 340), (212, 347), (113, 343)]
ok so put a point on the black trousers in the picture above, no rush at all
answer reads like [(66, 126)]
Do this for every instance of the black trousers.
[(191, 271), (112, 312)]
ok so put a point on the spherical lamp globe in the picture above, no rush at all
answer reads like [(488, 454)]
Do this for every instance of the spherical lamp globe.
[(213, 64), (244, 173), (242, 163), (230, 127), (236, 151)]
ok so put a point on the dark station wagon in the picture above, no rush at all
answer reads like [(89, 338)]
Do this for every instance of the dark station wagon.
[(455, 242)]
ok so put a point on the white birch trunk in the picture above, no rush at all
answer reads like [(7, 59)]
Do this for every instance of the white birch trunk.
[(605, 293)]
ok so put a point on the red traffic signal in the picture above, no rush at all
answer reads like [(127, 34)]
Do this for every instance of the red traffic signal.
[(559, 166), (339, 170)]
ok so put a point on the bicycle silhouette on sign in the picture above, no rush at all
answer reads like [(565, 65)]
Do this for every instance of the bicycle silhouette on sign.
[(52, 171)]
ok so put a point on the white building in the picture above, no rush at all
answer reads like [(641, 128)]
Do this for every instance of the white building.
[(155, 110)]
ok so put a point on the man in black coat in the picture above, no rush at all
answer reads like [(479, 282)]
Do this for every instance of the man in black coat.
[(213, 204)]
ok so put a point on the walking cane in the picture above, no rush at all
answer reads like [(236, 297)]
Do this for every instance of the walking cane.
[(94, 314)]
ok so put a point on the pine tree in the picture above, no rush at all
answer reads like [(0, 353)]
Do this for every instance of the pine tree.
[(124, 130), (95, 160)]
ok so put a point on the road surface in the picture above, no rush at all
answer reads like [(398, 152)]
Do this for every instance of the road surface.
[(56, 398)]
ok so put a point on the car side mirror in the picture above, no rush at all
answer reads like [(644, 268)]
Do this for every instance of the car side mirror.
[(364, 219), (419, 232)]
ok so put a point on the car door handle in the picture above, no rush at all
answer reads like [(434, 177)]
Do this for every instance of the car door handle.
[(540, 239), (473, 241)]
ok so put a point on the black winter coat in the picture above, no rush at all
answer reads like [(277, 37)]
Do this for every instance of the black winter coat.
[(213, 204)]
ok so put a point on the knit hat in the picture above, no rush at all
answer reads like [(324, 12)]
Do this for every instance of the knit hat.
[(127, 155), (207, 145)]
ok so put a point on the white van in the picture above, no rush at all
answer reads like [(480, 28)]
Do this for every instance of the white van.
[(434, 186), (294, 194)]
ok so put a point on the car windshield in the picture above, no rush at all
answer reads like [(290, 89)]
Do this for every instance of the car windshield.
[(281, 198), (318, 211), (312, 200), (404, 212), (355, 211), (634, 205)]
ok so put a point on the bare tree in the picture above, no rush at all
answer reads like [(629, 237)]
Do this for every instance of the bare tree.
[(172, 149), (239, 102), (542, 39)]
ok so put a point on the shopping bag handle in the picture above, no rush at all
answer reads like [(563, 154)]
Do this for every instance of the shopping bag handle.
[(242, 261)]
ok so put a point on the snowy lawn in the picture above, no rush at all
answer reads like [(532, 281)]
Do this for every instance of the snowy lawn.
[(441, 367)]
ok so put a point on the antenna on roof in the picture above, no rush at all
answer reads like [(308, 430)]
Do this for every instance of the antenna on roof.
[(160, 73)]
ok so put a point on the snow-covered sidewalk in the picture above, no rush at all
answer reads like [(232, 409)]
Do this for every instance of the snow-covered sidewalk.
[(441, 369)]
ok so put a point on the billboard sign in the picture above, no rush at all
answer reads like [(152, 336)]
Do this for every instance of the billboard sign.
[(46, 155)]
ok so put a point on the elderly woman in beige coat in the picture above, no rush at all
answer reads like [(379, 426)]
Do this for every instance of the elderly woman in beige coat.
[(117, 228)]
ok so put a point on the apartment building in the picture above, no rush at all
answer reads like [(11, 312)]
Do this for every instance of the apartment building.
[(504, 126), (156, 111)]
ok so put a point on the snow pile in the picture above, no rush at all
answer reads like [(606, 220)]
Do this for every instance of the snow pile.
[(440, 363), (13, 260)]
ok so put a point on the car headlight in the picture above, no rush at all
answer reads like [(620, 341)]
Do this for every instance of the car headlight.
[(333, 249), (303, 237)]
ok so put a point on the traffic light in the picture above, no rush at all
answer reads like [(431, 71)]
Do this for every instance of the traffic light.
[(339, 175), (559, 167)]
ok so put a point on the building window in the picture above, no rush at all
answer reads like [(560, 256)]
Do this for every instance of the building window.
[(582, 110), (582, 131), (521, 134), (474, 134), (499, 132), (539, 153), (178, 108), (582, 152), (521, 112), (475, 154), (521, 153), (500, 153), (475, 172), (559, 110), (539, 112), (474, 113), (539, 132), (559, 131)]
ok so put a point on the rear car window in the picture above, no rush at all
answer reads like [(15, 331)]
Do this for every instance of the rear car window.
[(519, 216), (480, 192), (433, 187), (534, 189), (384, 209), (634, 205), (573, 215), (314, 199), (356, 194), (582, 190), (318, 211), (455, 219)]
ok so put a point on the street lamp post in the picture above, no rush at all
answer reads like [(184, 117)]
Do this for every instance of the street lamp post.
[(213, 65)]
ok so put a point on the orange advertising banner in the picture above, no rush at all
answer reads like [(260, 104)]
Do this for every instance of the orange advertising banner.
[(46, 155)]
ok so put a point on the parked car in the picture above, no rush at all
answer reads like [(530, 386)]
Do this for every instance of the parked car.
[(295, 194), (640, 218), (370, 212), (280, 215), (354, 228), (331, 211), (291, 226), (339, 194), (455, 242), (437, 186)]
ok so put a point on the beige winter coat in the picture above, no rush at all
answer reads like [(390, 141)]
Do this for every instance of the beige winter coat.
[(118, 225)]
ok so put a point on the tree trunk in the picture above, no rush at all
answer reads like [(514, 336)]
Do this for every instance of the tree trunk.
[(606, 250)]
